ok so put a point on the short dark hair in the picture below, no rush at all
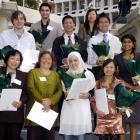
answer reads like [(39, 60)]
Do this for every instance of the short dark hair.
[(67, 17), (13, 53), (46, 5), (132, 38), (106, 62), (103, 15), (16, 14), (41, 55)]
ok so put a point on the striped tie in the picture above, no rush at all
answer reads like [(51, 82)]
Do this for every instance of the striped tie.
[(69, 41)]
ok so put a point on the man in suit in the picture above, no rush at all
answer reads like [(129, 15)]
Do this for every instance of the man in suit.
[(69, 38), (46, 24)]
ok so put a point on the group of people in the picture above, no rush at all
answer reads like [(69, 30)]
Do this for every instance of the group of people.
[(65, 56)]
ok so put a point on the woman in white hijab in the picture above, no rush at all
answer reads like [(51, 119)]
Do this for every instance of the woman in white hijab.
[(75, 119)]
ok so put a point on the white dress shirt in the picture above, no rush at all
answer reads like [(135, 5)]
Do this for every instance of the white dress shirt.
[(9, 37), (66, 38), (114, 43)]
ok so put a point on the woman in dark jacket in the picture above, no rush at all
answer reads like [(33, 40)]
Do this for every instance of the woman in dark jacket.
[(10, 77), (126, 62)]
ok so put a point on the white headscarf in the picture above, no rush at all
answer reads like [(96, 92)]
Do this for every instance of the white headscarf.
[(81, 66)]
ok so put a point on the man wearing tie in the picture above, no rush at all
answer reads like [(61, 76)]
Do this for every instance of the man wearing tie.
[(69, 39), (104, 36)]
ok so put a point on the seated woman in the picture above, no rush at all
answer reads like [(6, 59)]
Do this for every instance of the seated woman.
[(10, 77)]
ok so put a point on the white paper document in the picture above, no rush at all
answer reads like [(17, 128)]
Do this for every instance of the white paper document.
[(42, 118), (78, 86), (7, 98), (101, 100), (30, 57)]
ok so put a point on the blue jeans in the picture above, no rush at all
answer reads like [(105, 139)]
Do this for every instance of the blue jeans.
[(73, 137)]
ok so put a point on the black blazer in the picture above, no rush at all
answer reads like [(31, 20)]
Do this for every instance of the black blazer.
[(59, 55), (16, 116), (123, 68)]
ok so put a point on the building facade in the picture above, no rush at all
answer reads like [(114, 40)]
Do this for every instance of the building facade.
[(77, 8)]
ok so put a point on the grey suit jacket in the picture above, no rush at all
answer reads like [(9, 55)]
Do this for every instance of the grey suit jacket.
[(54, 33)]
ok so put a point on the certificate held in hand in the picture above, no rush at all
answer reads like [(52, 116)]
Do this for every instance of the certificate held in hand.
[(42, 118), (101, 100), (7, 98), (78, 86)]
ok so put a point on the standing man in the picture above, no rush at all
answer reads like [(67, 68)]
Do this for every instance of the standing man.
[(45, 24), (17, 37), (103, 37), (67, 41)]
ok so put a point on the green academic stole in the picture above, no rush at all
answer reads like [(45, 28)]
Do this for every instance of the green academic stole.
[(68, 78)]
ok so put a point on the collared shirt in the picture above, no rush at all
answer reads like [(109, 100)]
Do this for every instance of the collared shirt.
[(66, 38), (114, 43), (9, 37), (44, 27)]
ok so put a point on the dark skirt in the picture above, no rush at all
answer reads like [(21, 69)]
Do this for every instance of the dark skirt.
[(135, 117)]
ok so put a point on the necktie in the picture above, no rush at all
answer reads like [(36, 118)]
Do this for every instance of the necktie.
[(69, 41), (105, 39)]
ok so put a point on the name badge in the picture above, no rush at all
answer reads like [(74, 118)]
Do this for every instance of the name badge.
[(110, 96), (16, 81), (43, 79), (50, 28)]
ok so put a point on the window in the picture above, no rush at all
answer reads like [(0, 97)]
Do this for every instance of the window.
[(115, 2), (98, 3), (89, 1), (74, 5), (106, 2), (59, 7), (81, 4), (66, 6)]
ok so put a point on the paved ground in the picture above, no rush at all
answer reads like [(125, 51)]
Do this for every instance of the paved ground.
[(88, 137)]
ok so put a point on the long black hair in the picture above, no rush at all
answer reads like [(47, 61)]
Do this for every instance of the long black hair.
[(86, 24), (132, 38)]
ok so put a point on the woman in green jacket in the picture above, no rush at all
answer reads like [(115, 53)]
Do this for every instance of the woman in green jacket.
[(44, 86)]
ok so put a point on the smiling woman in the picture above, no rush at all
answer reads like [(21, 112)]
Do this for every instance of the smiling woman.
[(11, 121), (44, 86)]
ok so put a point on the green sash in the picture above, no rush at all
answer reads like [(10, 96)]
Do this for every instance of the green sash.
[(68, 79)]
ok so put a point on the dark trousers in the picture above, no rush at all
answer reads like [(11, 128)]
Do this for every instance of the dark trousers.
[(108, 137), (10, 131), (40, 133)]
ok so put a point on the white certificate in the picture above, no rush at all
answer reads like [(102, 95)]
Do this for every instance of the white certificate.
[(78, 86), (101, 100), (42, 118), (7, 98), (30, 57)]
